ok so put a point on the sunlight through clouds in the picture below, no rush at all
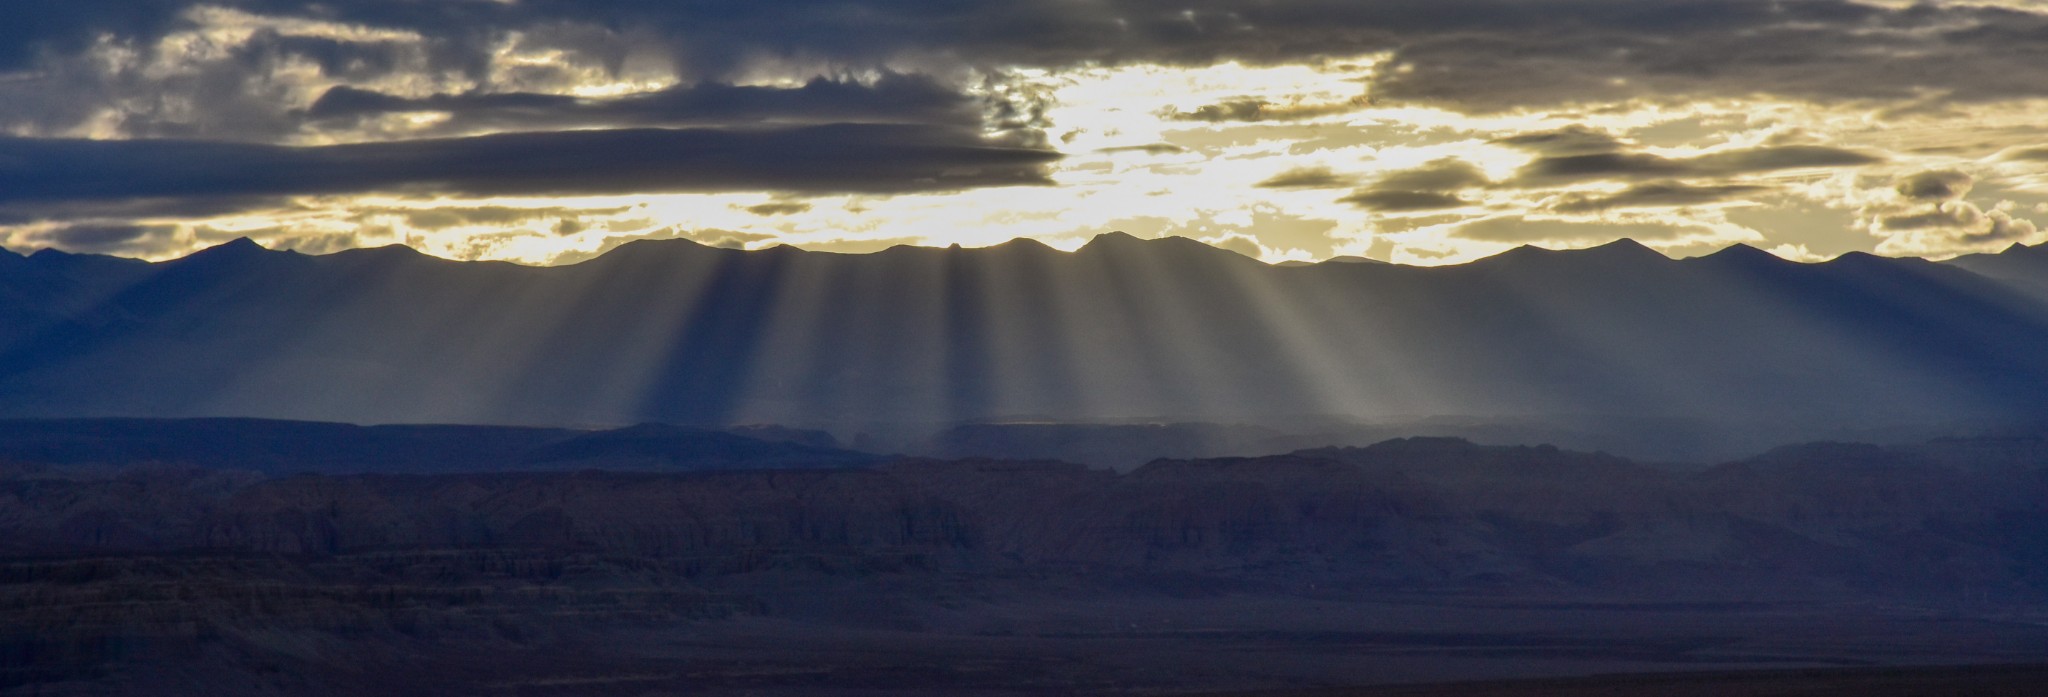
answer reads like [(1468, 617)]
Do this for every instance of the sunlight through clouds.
[(1282, 157)]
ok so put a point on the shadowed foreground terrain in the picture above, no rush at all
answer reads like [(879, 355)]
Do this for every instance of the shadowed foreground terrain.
[(1979, 681), (1410, 561)]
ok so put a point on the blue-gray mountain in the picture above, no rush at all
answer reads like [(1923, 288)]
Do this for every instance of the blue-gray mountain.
[(677, 332)]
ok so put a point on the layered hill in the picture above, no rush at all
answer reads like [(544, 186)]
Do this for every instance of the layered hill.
[(1927, 522), (1412, 559), (677, 332)]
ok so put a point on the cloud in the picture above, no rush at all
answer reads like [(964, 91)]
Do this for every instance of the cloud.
[(1571, 140), (1804, 224), (1926, 215), (1565, 52), (211, 72), (840, 158), (1606, 165), (1962, 222), (1253, 110), (1655, 195), (104, 238), (1306, 178), (1936, 185), (1429, 187), (70, 26), (1735, 161), (710, 237), (1441, 175), (1952, 228), (185, 207), (1148, 148), (893, 98), (741, 79), (1466, 54), (1521, 230), (1270, 226), (1778, 157), (779, 208), (1237, 243), (444, 217), (1403, 201)]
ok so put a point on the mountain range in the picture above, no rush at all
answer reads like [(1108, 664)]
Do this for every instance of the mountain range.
[(678, 332)]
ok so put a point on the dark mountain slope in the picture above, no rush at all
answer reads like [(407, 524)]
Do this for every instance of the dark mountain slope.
[(2021, 266), (677, 332)]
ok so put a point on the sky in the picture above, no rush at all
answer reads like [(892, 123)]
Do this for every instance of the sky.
[(1413, 131)]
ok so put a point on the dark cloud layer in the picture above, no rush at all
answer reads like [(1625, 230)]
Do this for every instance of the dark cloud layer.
[(187, 206), (32, 27), (779, 208), (1565, 142), (894, 98), (1474, 54), (1566, 48), (1253, 110), (821, 159), (1306, 178), (105, 237), (1403, 201), (1433, 186), (1938, 185), (1441, 175), (1148, 148), (1640, 166)]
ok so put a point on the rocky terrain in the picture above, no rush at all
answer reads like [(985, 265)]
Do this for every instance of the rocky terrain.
[(1420, 559)]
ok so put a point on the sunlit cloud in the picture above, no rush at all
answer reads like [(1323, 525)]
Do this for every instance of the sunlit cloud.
[(1274, 131)]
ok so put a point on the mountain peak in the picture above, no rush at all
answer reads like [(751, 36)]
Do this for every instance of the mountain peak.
[(1743, 254), (1343, 260), (1116, 239), (1171, 249), (236, 246), (1625, 248), (645, 243), (656, 247), (1621, 251), (240, 245), (390, 251), (1024, 244), (238, 249), (1856, 258)]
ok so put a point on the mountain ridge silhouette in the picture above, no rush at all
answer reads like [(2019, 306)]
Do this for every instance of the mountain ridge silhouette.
[(681, 332)]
